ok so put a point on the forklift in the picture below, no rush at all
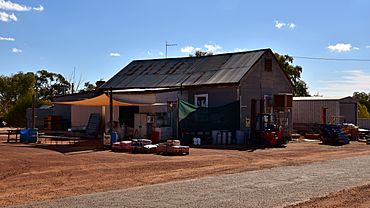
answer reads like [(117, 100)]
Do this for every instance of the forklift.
[(266, 128), (268, 132)]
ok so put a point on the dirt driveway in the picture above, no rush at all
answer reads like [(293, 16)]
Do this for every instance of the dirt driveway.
[(29, 173), (356, 197)]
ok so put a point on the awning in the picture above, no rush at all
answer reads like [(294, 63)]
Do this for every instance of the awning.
[(146, 98), (101, 100)]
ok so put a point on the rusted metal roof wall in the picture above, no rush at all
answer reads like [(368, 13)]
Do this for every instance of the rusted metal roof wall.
[(190, 71)]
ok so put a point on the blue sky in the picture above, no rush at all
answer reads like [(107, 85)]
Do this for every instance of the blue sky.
[(98, 38)]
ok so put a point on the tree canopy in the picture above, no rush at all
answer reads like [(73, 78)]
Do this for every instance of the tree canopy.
[(50, 84), (294, 73), (363, 104), (88, 87), (13, 88), (200, 53), (16, 93)]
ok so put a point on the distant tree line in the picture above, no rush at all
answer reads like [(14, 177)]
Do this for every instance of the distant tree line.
[(17, 91)]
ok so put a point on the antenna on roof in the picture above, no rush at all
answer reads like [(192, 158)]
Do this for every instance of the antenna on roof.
[(169, 44)]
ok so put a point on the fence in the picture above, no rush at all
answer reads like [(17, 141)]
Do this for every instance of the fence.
[(364, 123)]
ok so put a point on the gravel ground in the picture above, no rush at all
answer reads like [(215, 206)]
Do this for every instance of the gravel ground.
[(43, 172), (358, 197), (275, 187)]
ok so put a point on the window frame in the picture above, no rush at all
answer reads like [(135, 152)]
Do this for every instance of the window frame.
[(197, 96), (268, 65)]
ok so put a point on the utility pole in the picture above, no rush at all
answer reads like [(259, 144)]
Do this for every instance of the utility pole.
[(168, 45)]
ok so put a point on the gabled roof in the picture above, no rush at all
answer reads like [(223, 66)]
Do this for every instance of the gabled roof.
[(228, 68)]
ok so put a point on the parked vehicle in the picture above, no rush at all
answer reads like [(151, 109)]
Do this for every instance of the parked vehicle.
[(138, 146), (172, 147), (124, 146)]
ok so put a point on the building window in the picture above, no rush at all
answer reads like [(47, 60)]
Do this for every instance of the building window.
[(201, 100), (268, 101), (268, 65)]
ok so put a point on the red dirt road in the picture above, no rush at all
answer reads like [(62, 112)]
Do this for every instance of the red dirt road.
[(29, 173), (358, 197)]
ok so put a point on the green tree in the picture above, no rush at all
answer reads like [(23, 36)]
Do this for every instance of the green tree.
[(363, 112), (16, 93), (17, 113), (200, 53), (294, 73), (50, 84), (14, 87), (363, 99), (88, 87)]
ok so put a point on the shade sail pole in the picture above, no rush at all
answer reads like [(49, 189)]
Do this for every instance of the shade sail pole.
[(102, 124), (178, 118), (111, 110)]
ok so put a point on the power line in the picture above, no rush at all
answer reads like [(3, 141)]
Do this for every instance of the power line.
[(331, 59)]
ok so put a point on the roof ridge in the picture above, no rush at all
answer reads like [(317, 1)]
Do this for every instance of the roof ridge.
[(194, 57)]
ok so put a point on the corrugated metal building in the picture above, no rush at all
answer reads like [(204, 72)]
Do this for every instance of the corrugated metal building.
[(308, 110), (208, 81)]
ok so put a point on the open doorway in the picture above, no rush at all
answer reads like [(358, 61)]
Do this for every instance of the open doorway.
[(127, 119)]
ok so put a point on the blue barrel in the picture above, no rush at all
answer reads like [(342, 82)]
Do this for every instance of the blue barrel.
[(24, 135), (113, 138), (32, 135), (28, 135)]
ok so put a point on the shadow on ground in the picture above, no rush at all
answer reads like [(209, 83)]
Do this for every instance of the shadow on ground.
[(249, 148)]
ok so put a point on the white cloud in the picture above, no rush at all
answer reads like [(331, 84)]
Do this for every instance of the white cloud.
[(16, 50), (115, 54), (161, 53), (291, 25), (10, 6), (39, 8), (368, 46), (187, 49), (340, 47), (239, 49), (281, 25), (356, 48), (348, 82), (213, 48), (210, 48), (7, 39), (5, 17), (149, 53)]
